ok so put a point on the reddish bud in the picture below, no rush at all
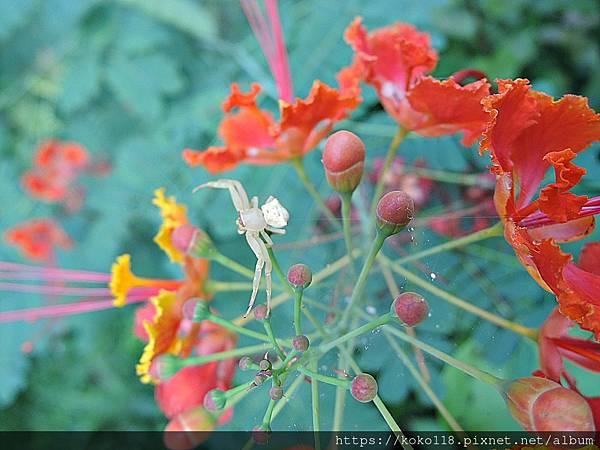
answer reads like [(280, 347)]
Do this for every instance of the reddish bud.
[(245, 363), (344, 160), (164, 367), (260, 312), (299, 276), (261, 434), (276, 393), (363, 388), (176, 435), (300, 343), (192, 241), (411, 308), (215, 400), (260, 378), (539, 404), (395, 210)]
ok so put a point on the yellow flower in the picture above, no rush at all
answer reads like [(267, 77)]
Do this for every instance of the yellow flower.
[(174, 215), (122, 279), (162, 333)]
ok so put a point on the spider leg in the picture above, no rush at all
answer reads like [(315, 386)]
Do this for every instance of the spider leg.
[(268, 269), (275, 230), (254, 202), (255, 244), (267, 238), (236, 190)]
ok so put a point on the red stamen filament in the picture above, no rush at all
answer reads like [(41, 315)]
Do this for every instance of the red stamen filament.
[(539, 219)]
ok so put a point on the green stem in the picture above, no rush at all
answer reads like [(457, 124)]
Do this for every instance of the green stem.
[(376, 323), (298, 311), (227, 286), (529, 333), (347, 224), (199, 360), (325, 378), (236, 390), (266, 422), (298, 165), (316, 415), (237, 329), (232, 265), (447, 415), (493, 231), (450, 177), (476, 373), (364, 274), (389, 159), (279, 271), (299, 381), (272, 339), (340, 397)]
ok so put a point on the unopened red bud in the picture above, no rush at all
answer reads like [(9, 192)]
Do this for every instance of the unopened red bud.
[(300, 343), (363, 388), (344, 160), (192, 241), (276, 393), (395, 210), (299, 276), (260, 312), (539, 404), (196, 419), (215, 400), (411, 308), (245, 363), (261, 434), (164, 367)]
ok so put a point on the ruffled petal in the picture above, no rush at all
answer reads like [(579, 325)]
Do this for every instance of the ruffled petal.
[(173, 215), (214, 159), (445, 107), (305, 123)]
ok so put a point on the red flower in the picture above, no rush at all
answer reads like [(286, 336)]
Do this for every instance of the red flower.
[(396, 60), (252, 136), (555, 345), (527, 134), (186, 390), (56, 166), (38, 238)]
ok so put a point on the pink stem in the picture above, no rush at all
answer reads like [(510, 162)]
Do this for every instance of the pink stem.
[(62, 310)]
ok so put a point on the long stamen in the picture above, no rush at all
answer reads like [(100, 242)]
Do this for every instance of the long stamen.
[(63, 290), (53, 273), (64, 309), (539, 219), (270, 38)]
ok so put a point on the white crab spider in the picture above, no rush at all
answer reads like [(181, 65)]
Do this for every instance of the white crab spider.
[(255, 222)]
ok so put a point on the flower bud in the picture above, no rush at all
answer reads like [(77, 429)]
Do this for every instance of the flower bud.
[(299, 276), (363, 388), (201, 311), (344, 160), (245, 363), (260, 378), (177, 436), (395, 210), (189, 308), (164, 366), (411, 308), (539, 404), (215, 400), (192, 241), (260, 312), (300, 343), (276, 393), (261, 434)]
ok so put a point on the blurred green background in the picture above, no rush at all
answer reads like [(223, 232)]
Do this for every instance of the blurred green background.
[(136, 81)]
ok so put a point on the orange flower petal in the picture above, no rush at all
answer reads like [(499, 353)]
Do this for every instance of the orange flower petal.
[(589, 258), (38, 238), (239, 99), (214, 159), (445, 107)]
